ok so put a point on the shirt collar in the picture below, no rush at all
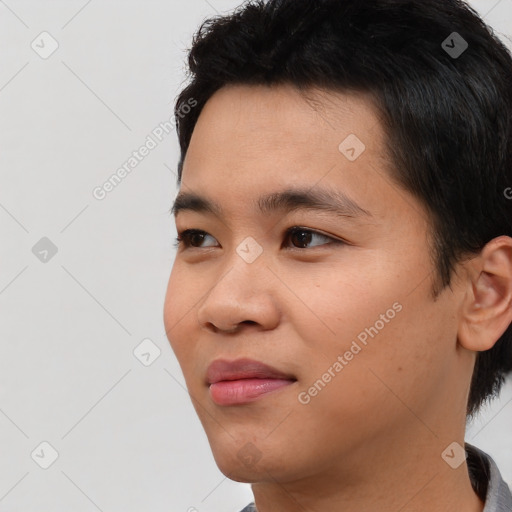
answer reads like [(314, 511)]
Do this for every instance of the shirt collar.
[(487, 481)]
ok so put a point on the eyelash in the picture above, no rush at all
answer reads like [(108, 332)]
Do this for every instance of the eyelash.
[(183, 238)]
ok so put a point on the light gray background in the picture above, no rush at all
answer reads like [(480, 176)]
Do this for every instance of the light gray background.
[(126, 434)]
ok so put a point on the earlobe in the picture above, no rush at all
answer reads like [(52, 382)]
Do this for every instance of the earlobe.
[(487, 308)]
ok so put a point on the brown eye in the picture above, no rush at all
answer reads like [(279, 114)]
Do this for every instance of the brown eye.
[(302, 237), (191, 238)]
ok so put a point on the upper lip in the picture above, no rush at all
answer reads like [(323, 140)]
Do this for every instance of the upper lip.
[(221, 369)]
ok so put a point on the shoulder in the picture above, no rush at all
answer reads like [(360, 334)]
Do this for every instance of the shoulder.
[(487, 481), (250, 508)]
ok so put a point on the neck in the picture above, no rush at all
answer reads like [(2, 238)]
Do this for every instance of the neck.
[(405, 475)]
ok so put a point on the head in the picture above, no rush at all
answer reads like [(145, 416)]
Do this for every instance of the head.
[(411, 283)]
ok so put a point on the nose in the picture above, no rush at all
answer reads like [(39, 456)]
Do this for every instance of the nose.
[(243, 295)]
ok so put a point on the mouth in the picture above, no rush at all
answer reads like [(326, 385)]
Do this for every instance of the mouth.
[(244, 381)]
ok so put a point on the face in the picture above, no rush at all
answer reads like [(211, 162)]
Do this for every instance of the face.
[(315, 264)]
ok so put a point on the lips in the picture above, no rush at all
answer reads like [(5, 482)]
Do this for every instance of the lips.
[(221, 370), (243, 381)]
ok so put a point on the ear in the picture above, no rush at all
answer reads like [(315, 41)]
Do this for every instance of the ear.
[(487, 307)]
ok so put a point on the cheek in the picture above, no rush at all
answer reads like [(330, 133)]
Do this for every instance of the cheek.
[(179, 311), (387, 337), (353, 301), (399, 367)]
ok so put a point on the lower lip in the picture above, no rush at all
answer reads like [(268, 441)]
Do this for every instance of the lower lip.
[(243, 391)]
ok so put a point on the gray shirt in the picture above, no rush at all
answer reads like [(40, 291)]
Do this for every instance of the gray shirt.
[(485, 478)]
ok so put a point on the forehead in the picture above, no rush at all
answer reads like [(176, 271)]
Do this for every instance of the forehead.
[(279, 128)]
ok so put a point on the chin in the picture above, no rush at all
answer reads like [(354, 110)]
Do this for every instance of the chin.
[(236, 468), (241, 475), (244, 462)]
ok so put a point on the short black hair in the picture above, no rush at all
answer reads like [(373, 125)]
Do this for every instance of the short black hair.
[(446, 109)]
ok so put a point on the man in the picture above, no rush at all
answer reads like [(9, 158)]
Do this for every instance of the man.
[(341, 298)]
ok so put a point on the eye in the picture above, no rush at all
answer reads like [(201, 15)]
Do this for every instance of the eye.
[(301, 237), (190, 237)]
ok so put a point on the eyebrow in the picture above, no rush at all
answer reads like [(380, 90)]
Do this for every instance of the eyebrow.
[(291, 199)]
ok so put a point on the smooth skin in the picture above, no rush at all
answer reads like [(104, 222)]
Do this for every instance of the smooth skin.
[(372, 439)]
